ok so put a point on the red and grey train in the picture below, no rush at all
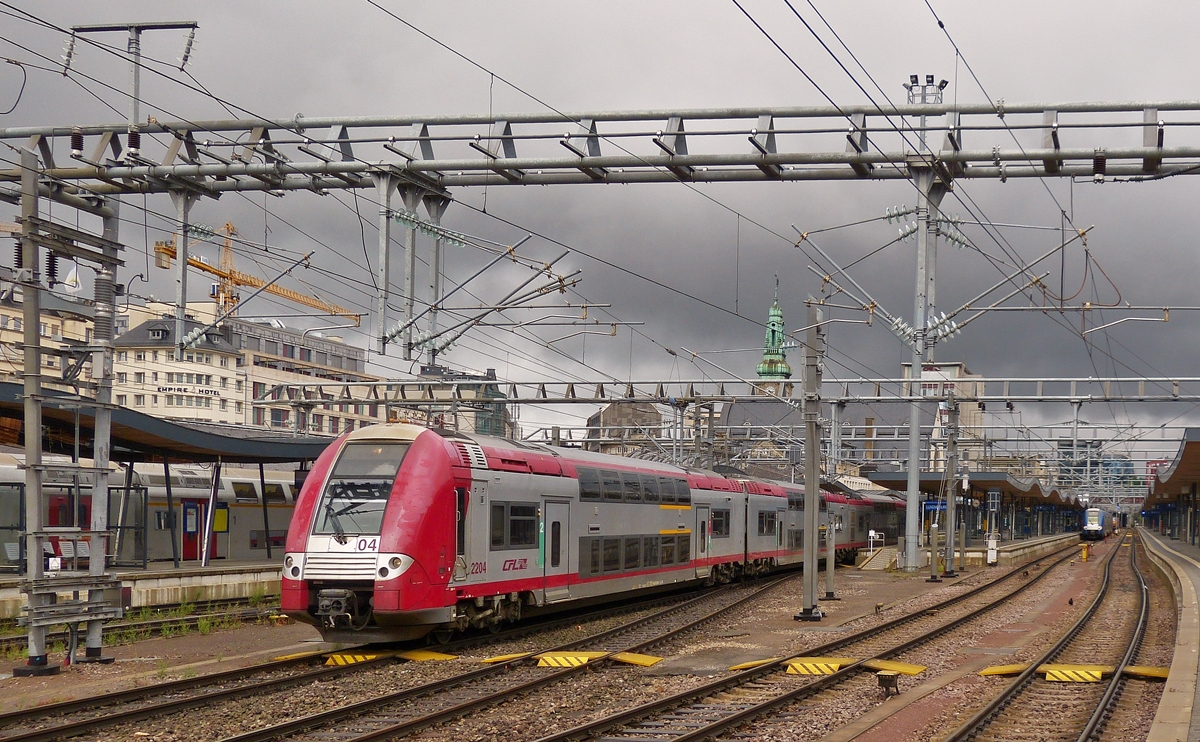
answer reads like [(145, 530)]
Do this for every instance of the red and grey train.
[(400, 531)]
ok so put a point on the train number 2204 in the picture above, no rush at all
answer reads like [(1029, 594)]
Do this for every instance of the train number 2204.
[(478, 568)]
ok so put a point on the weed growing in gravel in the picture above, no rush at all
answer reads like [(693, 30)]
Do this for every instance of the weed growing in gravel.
[(160, 670), (257, 596), (189, 672), (14, 653), (204, 625)]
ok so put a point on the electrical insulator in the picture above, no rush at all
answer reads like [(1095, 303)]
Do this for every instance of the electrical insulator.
[(135, 142), (51, 269), (187, 49), (76, 142), (68, 55), (1099, 166), (18, 257)]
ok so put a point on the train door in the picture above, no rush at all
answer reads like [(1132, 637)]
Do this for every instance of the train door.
[(470, 561), (703, 567), (557, 545), (194, 515)]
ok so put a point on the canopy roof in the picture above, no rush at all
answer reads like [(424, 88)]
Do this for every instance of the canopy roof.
[(933, 482), (140, 437)]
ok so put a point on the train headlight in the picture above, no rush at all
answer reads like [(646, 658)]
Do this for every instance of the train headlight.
[(391, 566), (295, 572), (288, 561)]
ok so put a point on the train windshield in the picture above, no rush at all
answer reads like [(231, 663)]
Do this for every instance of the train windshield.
[(1093, 517), (358, 489)]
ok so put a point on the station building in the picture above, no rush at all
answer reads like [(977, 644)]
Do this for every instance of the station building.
[(242, 361)]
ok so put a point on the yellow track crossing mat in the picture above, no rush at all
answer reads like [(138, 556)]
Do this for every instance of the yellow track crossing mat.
[(505, 658), (567, 659), (1016, 669), (1075, 673), (1146, 672), (904, 668), (817, 665), (425, 655), (348, 658), (753, 663)]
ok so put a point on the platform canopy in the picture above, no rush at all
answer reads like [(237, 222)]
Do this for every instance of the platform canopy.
[(1181, 477), (932, 484), (140, 437)]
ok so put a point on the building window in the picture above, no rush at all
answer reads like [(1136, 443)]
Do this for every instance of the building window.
[(139, 400), (259, 416), (42, 329), (349, 425), (122, 356), (237, 406), (289, 351), (239, 385), (224, 405), (318, 423), (17, 324), (140, 355), (4, 320), (271, 347), (224, 361), (154, 356), (122, 378), (154, 400), (224, 382), (154, 376), (333, 424), (279, 418), (190, 357), (121, 399), (139, 378)]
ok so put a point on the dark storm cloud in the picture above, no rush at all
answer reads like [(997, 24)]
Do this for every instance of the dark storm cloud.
[(284, 58)]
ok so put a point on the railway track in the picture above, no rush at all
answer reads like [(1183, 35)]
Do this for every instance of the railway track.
[(406, 711), (712, 709), (1109, 632), (82, 716)]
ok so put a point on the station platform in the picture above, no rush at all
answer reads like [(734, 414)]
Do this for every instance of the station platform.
[(1178, 716), (162, 584), (974, 556)]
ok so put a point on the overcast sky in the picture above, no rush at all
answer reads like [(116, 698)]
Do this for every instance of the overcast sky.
[(349, 58)]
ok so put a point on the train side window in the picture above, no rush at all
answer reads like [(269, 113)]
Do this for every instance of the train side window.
[(555, 544), (522, 526), (649, 488), (612, 485), (612, 555), (589, 484), (668, 550), (461, 516), (274, 492), (795, 502), (590, 546), (650, 549), (633, 552), (703, 541), (683, 548), (683, 495), (766, 523), (632, 484), (498, 529), (667, 489), (720, 523), (244, 492), (795, 538)]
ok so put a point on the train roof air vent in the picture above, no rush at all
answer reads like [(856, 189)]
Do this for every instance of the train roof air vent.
[(472, 454)]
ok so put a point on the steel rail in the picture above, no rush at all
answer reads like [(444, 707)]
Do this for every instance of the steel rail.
[(334, 715), (628, 716), (219, 678), (985, 715), (1117, 681)]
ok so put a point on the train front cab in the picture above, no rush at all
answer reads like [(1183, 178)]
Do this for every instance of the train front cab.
[(371, 544)]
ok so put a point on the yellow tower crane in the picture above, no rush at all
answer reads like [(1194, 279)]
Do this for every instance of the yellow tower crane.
[(229, 278)]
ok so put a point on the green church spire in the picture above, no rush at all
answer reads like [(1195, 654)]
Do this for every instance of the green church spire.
[(774, 363)]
